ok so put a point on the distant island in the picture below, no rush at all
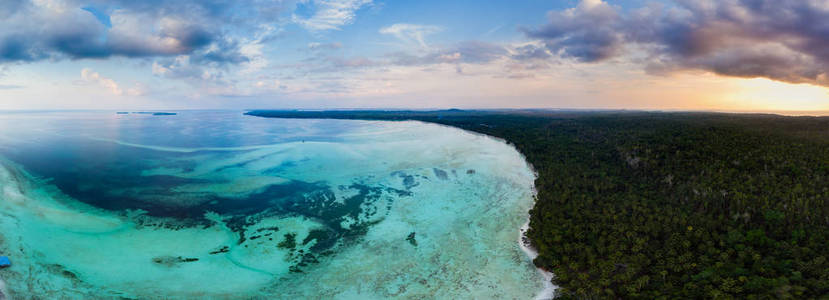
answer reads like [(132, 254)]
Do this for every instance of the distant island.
[(675, 205), (148, 113)]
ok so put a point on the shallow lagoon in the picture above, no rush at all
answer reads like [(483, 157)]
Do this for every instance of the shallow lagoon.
[(98, 204)]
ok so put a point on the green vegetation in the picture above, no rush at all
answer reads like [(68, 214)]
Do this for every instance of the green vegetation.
[(666, 205)]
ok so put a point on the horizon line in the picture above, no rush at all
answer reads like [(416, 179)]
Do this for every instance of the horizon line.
[(813, 113)]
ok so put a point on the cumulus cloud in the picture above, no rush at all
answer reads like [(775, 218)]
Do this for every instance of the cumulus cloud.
[(57, 29), (785, 40), (330, 14), (588, 32), (93, 77)]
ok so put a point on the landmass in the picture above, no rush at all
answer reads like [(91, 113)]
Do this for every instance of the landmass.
[(147, 113), (664, 205)]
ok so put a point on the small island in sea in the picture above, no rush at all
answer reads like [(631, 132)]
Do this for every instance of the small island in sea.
[(148, 113)]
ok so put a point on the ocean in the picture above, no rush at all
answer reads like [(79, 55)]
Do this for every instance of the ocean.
[(220, 205)]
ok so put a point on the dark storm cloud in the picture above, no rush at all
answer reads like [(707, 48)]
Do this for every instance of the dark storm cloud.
[(786, 40), (69, 29)]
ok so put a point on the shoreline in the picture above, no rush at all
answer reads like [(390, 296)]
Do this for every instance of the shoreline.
[(549, 290)]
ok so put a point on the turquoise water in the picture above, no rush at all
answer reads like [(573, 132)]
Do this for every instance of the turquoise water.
[(221, 205)]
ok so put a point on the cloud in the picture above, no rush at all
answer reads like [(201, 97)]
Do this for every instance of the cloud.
[(51, 29), (530, 52), (205, 80), (39, 31), (470, 52), (411, 33), (354, 62), (324, 46), (173, 37), (93, 77), (477, 51), (784, 40), (587, 32), (270, 85), (330, 14), (179, 67), (467, 52), (10, 86)]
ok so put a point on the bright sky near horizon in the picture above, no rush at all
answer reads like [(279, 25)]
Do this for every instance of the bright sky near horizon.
[(199, 54)]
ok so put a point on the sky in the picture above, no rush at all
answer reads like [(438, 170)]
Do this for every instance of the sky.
[(747, 55)]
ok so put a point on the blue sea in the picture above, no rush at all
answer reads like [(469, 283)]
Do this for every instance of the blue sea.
[(216, 204)]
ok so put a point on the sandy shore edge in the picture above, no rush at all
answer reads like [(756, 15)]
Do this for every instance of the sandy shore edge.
[(549, 288)]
